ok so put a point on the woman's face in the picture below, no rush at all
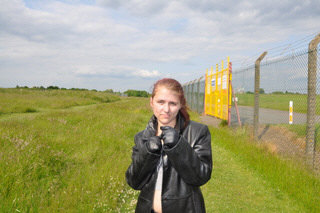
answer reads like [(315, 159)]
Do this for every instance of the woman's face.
[(165, 105)]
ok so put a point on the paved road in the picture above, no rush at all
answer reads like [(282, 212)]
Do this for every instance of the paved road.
[(268, 116)]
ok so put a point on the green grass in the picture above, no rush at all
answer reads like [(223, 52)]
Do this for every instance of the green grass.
[(71, 159), (246, 178), (236, 188), (29, 100), (74, 160), (278, 101)]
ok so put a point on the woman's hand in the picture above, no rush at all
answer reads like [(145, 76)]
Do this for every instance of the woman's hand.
[(154, 145), (169, 136)]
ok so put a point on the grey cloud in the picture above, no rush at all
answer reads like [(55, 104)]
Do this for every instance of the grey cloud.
[(33, 25), (209, 6), (111, 3), (250, 16), (138, 8), (179, 36), (291, 8), (59, 23), (119, 73)]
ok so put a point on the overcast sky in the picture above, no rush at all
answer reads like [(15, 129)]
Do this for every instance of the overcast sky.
[(129, 44)]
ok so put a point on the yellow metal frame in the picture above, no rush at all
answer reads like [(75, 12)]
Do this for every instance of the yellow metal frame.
[(218, 91)]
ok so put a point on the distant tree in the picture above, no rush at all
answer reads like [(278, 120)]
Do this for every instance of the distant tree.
[(277, 92), (80, 89), (137, 93), (94, 90), (52, 87), (249, 92), (109, 90)]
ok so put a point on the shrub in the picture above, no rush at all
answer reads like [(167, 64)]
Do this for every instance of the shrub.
[(137, 93), (52, 87), (277, 92), (28, 110)]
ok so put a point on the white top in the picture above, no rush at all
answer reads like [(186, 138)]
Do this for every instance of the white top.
[(157, 205)]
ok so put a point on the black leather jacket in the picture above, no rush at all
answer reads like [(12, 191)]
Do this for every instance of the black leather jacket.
[(186, 167)]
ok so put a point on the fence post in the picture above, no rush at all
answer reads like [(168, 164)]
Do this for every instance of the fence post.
[(205, 93), (188, 94), (198, 91), (192, 95), (198, 97), (256, 95), (312, 87), (229, 92)]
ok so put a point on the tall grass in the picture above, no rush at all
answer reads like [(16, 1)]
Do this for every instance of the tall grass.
[(70, 160), (29, 100), (74, 160), (282, 177)]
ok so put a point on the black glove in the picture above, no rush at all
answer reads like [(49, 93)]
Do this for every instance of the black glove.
[(169, 136), (154, 145)]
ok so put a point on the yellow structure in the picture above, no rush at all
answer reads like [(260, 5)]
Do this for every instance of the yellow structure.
[(218, 91)]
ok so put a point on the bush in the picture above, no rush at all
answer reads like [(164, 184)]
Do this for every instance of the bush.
[(109, 90), (28, 110), (223, 123), (52, 87), (137, 93), (277, 92)]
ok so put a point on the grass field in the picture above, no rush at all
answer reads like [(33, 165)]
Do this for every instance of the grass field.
[(31, 100), (278, 101), (247, 178), (73, 159)]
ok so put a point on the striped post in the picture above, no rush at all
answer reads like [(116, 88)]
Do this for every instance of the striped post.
[(290, 112)]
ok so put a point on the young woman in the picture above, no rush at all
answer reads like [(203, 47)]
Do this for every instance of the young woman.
[(171, 158)]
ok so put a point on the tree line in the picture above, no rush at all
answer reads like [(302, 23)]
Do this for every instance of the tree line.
[(130, 92)]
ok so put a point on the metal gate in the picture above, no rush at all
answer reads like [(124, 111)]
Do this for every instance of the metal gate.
[(218, 91)]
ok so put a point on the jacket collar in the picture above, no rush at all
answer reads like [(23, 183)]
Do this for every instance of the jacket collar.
[(153, 125)]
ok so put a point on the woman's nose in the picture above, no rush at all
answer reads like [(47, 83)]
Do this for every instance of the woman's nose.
[(166, 108)]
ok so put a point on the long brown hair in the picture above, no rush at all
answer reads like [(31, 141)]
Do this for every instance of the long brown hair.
[(175, 86)]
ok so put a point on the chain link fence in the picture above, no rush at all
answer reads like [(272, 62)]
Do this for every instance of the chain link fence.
[(276, 111), (283, 89), (194, 93), (281, 80)]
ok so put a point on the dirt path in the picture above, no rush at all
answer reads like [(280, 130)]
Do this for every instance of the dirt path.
[(210, 120)]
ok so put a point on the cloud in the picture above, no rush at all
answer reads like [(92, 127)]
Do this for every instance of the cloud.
[(147, 74), (119, 72), (139, 8), (133, 39)]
